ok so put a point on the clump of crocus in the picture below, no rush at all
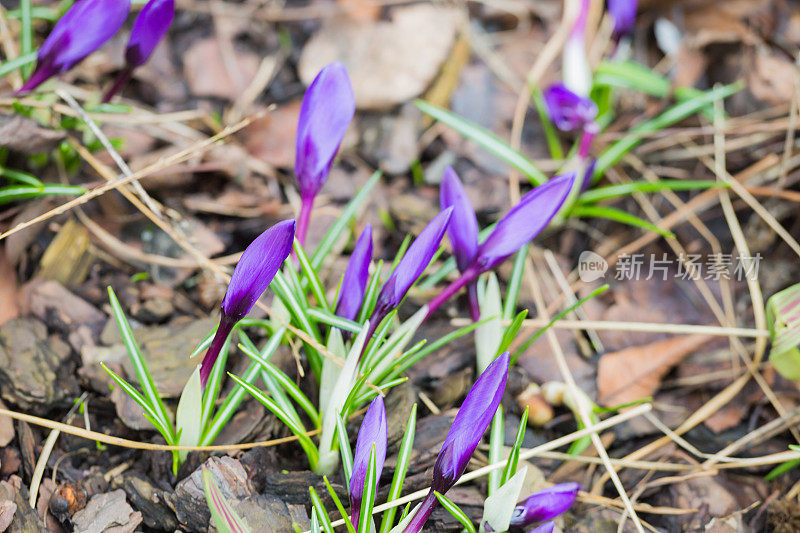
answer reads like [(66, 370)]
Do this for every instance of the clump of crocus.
[(623, 13), (471, 422), (251, 277), (371, 435), (84, 28), (410, 267), (149, 28), (521, 224), (354, 282), (543, 506), (326, 112)]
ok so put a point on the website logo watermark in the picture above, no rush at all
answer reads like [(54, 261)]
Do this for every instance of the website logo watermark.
[(693, 267)]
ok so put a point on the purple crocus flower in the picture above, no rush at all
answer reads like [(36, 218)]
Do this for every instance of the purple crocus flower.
[(521, 224), (371, 433), (149, 28), (251, 277), (463, 230), (410, 267), (623, 12), (545, 505), (84, 28), (568, 110), (471, 422), (354, 282), (326, 112)]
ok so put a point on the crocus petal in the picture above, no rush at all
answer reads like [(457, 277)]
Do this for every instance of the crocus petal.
[(84, 28), (524, 221), (256, 268), (576, 71), (149, 28), (623, 12), (471, 422), (413, 263), (371, 433), (327, 109), (568, 110), (547, 527), (354, 282), (463, 228), (545, 505)]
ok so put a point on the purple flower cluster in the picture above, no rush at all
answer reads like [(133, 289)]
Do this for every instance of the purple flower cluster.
[(88, 25)]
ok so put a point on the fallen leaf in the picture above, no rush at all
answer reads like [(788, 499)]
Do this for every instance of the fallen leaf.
[(771, 78), (636, 372), (209, 74), (22, 134), (271, 138), (6, 427), (389, 62)]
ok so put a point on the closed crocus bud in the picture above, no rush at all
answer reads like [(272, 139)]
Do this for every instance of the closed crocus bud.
[(471, 422), (623, 12), (149, 28), (410, 267), (545, 505), (354, 282), (84, 28), (371, 433), (326, 112), (462, 230), (251, 277), (568, 110), (521, 224)]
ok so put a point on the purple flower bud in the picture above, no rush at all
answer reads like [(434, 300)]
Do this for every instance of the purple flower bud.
[(354, 282), (524, 221), (545, 505), (521, 224), (149, 28), (371, 433), (251, 277), (84, 28), (623, 12), (412, 265), (471, 422), (463, 228), (568, 110), (327, 110)]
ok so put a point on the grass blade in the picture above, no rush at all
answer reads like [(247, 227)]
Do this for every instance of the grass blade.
[(297, 429), (676, 113), (403, 458), (513, 456), (456, 512), (329, 319), (631, 75), (341, 223), (224, 517), (311, 276), (368, 499), (322, 513), (19, 192), (140, 366), (486, 139), (345, 451), (613, 191), (617, 215)]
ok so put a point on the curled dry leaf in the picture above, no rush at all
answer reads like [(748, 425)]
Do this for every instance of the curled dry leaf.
[(636, 372)]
